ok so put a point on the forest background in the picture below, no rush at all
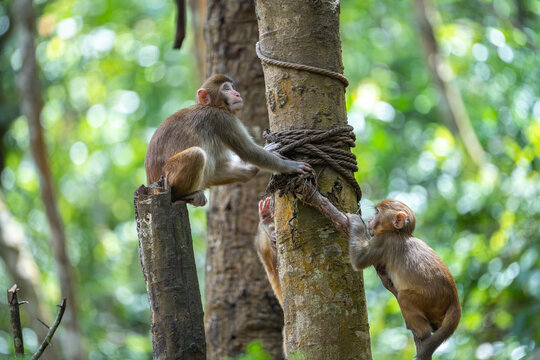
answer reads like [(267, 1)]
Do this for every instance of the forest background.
[(110, 76)]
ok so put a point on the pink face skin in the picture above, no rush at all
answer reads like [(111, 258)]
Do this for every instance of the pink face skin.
[(231, 97)]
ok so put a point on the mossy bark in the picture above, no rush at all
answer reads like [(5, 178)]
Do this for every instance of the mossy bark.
[(324, 301)]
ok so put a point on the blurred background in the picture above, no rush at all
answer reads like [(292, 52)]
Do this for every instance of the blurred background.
[(445, 101)]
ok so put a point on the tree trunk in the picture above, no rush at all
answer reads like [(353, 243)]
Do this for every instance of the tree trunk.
[(170, 274), (324, 301), (24, 272), (240, 305), (32, 105)]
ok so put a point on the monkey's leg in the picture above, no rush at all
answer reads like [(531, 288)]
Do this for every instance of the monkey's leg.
[(410, 303), (230, 172), (185, 172)]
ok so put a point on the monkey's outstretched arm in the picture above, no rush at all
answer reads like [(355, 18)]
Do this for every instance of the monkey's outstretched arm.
[(363, 253), (236, 137), (230, 172)]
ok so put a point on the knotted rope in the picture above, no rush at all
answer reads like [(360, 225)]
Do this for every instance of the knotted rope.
[(316, 147), (295, 66)]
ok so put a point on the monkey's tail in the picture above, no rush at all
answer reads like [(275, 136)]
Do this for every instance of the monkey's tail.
[(448, 326)]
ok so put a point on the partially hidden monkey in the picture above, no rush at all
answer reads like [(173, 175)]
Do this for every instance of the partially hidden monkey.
[(194, 147), (425, 289), (265, 243)]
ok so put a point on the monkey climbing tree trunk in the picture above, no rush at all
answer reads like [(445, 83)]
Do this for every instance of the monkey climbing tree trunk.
[(240, 305), (324, 301), (32, 104)]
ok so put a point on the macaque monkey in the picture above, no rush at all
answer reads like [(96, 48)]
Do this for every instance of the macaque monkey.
[(425, 289), (194, 148), (265, 243)]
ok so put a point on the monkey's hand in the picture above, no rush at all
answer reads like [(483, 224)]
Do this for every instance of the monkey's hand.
[(357, 228), (265, 211), (196, 199), (298, 167), (266, 217)]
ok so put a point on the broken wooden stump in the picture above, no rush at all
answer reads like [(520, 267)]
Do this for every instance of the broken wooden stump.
[(170, 274)]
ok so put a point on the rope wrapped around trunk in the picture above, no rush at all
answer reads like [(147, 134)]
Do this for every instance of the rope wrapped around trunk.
[(317, 148)]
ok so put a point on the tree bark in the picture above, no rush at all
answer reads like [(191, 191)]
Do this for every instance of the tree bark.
[(324, 301), (170, 274), (32, 104), (240, 305), (452, 106), (24, 272), (15, 319)]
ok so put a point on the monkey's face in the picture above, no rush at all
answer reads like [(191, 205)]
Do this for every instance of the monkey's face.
[(231, 97), (380, 222)]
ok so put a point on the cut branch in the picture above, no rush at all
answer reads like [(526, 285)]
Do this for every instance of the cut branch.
[(15, 318), (51, 332), (170, 274), (21, 267)]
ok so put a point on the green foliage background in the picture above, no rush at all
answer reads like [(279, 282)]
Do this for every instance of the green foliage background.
[(110, 77)]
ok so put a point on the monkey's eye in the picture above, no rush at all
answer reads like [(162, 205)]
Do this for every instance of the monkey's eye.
[(226, 87)]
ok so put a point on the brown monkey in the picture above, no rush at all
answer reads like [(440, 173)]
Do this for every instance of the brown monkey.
[(265, 243), (425, 289), (194, 147)]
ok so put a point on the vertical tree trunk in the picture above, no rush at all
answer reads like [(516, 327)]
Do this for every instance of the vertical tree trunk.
[(453, 108), (240, 305), (32, 105), (170, 274), (24, 272), (324, 301)]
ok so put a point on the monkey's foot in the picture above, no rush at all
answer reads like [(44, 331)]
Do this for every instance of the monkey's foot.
[(196, 199)]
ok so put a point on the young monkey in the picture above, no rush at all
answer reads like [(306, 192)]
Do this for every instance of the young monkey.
[(426, 291), (194, 147)]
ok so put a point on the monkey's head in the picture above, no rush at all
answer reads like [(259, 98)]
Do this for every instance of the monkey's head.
[(392, 216), (220, 91)]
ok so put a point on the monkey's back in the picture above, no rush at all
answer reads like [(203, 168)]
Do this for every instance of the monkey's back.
[(421, 270), (186, 128)]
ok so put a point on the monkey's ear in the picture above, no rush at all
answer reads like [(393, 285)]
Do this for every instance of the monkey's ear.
[(203, 97), (399, 220)]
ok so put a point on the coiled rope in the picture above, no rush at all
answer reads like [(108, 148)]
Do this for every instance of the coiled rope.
[(317, 148)]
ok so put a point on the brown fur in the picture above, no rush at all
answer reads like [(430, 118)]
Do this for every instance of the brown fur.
[(265, 243), (426, 290), (194, 146)]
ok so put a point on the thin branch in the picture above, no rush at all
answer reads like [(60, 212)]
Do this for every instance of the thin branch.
[(51, 332), (15, 320), (31, 106), (454, 110)]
